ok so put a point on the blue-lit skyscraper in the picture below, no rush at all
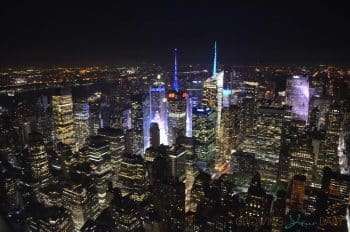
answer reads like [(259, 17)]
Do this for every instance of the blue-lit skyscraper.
[(158, 109)]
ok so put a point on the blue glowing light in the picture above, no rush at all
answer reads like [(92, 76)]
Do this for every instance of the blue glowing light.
[(214, 61), (176, 85), (227, 92), (158, 89)]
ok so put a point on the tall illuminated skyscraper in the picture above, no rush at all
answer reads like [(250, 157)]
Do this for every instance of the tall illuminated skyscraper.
[(81, 123), (301, 161), (158, 108), (266, 142), (213, 89), (230, 129), (133, 177), (333, 200), (62, 106), (38, 158), (329, 148), (209, 98), (204, 120), (116, 139), (137, 121), (297, 96), (177, 103)]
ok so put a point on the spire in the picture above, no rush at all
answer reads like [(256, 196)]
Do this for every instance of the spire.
[(214, 61), (176, 85)]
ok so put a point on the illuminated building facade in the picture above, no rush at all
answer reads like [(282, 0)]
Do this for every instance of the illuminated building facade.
[(230, 131), (81, 123), (189, 108), (38, 158), (301, 161), (177, 103), (204, 133), (47, 219), (81, 201), (62, 106), (297, 196), (297, 96), (257, 205), (248, 112), (137, 122), (116, 139), (177, 161), (318, 109), (334, 199), (159, 109), (209, 98), (329, 148), (266, 142), (133, 177), (169, 201), (146, 122), (99, 156)]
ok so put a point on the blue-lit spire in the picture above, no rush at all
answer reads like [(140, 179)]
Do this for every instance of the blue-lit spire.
[(214, 61), (176, 85)]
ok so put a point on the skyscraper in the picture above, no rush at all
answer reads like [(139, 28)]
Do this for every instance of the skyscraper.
[(266, 142), (177, 103), (81, 201), (62, 106), (158, 108), (177, 161), (133, 177), (49, 219), (297, 96), (257, 206), (204, 129), (38, 158), (330, 145), (230, 129), (154, 132), (213, 96), (137, 122), (99, 156), (81, 123), (333, 200), (301, 161), (297, 195), (116, 139)]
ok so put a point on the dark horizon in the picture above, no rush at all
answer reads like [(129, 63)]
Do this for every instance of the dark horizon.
[(131, 33)]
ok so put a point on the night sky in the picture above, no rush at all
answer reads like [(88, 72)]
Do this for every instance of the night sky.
[(46, 33)]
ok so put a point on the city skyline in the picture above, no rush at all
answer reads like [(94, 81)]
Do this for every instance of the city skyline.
[(171, 116)]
